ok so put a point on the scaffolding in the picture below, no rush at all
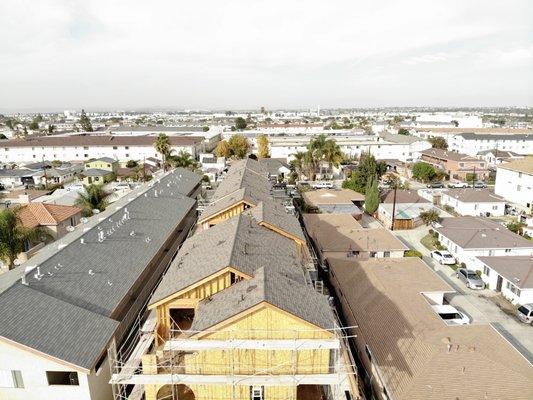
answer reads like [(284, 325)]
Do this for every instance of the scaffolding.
[(130, 377)]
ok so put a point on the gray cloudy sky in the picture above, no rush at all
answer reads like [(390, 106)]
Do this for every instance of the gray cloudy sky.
[(57, 54)]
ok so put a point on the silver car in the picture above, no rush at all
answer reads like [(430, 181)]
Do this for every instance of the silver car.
[(525, 313), (470, 278)]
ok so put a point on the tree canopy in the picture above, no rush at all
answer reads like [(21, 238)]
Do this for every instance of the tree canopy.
[(162, 145), (85, 122), (424, 172), (237, 146), (368, 167), (240, 123), (403, 131), (262, 144), (94, 198), (372, 196), (438, 143), (183, 160)]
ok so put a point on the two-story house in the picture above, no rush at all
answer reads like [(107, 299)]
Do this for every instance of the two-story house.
[(456, 165)]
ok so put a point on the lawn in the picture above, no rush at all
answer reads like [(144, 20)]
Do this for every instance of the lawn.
[(429, 242)]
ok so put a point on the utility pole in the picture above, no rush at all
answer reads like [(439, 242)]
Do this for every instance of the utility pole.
[(474, 178), (45, 176), (394, 207)]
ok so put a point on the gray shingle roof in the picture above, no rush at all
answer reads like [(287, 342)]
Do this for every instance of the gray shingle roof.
[(53, 326), (272, 213), (480, 233), (238, 242), (246, 181), (66, 312), (268, 286), (96, 172)]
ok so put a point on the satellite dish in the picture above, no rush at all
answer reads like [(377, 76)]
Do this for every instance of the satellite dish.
[(70, 228), (96, 211), (16, 262)]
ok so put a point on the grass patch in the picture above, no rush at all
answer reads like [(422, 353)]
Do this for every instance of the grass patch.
[(428, 241)]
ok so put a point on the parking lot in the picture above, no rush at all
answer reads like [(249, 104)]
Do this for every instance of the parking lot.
[(480, 305)]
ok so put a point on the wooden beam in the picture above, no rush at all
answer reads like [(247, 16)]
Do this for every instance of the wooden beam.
[(274, 344)]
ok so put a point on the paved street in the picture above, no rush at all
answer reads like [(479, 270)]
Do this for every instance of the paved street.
[(476, 303)]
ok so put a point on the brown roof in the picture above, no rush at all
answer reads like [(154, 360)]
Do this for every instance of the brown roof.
[(480, 233), (98, 140), (36, 214), (342, 233), (331, 196), (523, 165), (449, 155), (455, 131), (471, 195), (419, 357), (404, 196), (32, 193), (517, 269)]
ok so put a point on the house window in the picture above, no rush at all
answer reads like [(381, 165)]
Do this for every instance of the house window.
[(494, 207), (62, 378), (518, 188), (257, 392), (85, 147), (372, 254), (519, 174), (486, 270), (386, 254), (127, 147), (352, 253), (476, 206), (86, 155), (115, 147), (11, 379), (127, 155), (507, 250)]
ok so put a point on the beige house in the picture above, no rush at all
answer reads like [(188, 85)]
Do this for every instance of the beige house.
[(456, 165), (341, 236), (407, 349)]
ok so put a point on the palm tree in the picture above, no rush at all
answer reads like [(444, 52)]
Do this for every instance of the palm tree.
[(94, 198), (184, 160), (14, 236), (332, 153), (162, 145)]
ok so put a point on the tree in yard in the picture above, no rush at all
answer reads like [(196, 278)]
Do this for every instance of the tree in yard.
[(262, 144), (430, 216), (33, 125), (85, 122), (94, 198), (332, 153), (372, 196), (162, 145), (183, 160), (239, 146), (455, 122), (223, 149), (14, 236), (205, 128), (438, 143), (2, 136), (368, 167), (403, 131), (131, 164), (424, 172), (516, 227), (240, 123), (51, 128)]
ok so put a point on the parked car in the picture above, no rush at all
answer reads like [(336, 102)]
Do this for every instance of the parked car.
[(525, 313), (480, 185), (443, 257), (458, 184), (322, 185), (435, 185), (121, 186), (451, 315), (470, 278)]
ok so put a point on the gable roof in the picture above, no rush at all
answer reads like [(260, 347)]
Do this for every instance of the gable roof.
[(274, 214), (480, 233), (472, 195), (420, 357), (524, 165), (35, 214), (449, 155), (331, 196), (267, 286), (103, 159), (516, 269), (404, 196), (238, 242)]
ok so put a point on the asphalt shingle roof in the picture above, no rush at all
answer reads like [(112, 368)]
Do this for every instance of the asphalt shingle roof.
[(274, 214), (266, 286)]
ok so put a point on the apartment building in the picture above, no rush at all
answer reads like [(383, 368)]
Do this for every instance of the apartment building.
[(85, 147), (456, 165), (78, 298), (468, 238), (237, 316), (474, 202), (410, 352), (514, 182), (473, 143)]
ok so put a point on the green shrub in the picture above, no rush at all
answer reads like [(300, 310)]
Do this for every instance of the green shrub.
[(413, 253)]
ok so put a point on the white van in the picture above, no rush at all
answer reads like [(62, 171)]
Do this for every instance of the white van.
[(322, 185)]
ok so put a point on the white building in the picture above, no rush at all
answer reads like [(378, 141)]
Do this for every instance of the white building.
[(474, 202), (468, 238), (386, 146), (85, 147), (512, 276), (473, 143), (514, 182), (495, 157)]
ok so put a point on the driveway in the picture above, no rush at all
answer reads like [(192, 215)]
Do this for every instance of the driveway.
[(475, 303)]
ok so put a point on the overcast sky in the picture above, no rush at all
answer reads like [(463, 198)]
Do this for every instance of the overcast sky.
[(57, 54)]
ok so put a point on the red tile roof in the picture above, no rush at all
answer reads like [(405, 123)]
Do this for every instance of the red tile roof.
[(35, 214)]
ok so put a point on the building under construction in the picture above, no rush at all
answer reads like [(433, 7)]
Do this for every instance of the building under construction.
[(239, 314)]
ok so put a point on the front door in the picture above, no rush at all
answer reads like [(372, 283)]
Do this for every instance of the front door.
[(499, 284)]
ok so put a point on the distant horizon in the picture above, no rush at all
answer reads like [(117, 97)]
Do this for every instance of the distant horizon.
[(109, 55)]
